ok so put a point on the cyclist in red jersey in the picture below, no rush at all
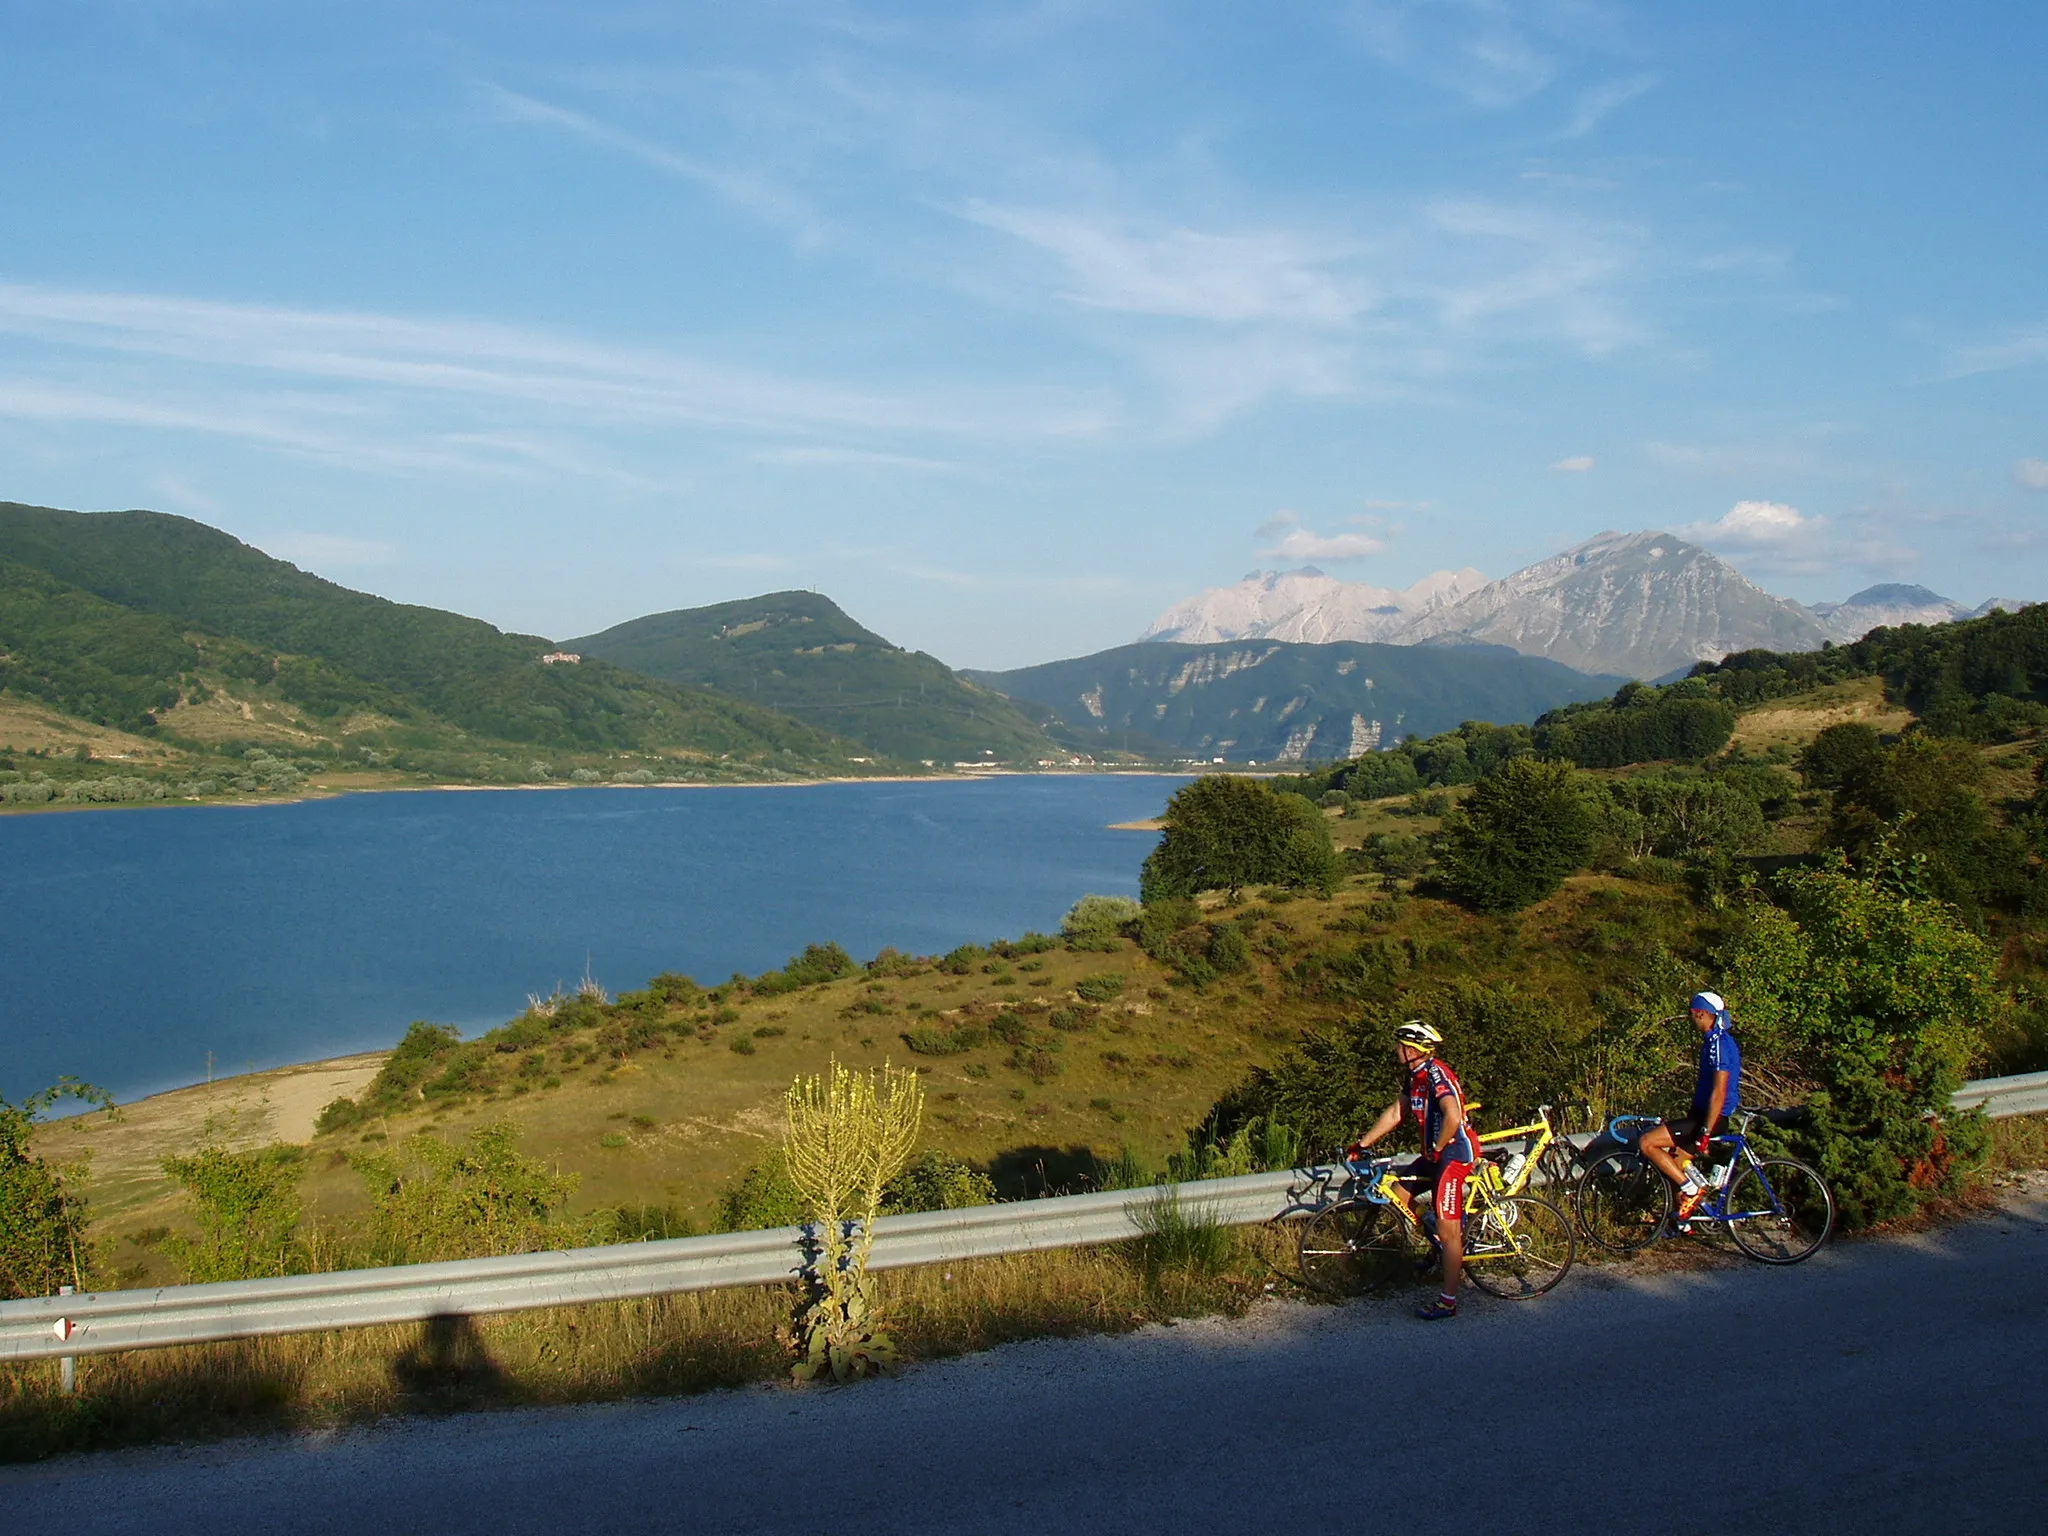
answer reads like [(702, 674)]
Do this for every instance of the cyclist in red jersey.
[(1435, 1100)]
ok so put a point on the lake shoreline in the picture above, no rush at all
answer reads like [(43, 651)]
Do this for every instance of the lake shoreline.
[(966, 776)]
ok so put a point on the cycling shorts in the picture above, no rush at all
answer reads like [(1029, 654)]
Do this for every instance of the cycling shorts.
[(1444, 1182), (1686, 1129)]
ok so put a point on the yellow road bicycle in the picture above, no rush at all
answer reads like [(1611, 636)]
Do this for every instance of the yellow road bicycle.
[(1517, 1245), (1522, 1152)]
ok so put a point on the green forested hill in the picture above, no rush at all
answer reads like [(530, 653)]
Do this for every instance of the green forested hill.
[(800, 653), (109, 615), (1272, 700)]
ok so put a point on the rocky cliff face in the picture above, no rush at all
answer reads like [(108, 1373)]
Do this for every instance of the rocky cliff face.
[(1635, 604), (1308, 607)]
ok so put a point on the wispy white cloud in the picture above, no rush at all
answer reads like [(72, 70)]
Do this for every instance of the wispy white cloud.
[(1594, 105), (1479, 50), (748, 191), (2017, 348), (383, 391), (850, 458), (2031, 474), (1577, 464), (1186, 273)]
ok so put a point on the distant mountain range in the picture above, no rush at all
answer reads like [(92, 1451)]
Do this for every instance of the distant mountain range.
[(1278, 701), (1634, 604), (799, 653)]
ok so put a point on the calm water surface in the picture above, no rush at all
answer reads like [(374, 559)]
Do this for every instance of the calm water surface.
[(135, 942)]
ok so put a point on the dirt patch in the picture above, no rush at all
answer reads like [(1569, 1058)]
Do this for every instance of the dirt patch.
[(128, 1149), (26, 727), (1795, 722)]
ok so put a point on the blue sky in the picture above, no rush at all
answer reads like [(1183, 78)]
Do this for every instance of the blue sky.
[(1008, 325)]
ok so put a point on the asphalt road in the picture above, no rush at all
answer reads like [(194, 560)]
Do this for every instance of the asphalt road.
[(1890, 1385)]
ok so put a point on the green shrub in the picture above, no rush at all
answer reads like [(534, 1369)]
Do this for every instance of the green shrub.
[(742, 1045), (963, 961), (763, 1197), (1099, 988), (1517, 835), (246, 1206), (1229, 951), (937, 1181), (1094, 916), (1883, 998), (430, 1200), (338, 1115), (44, 1215)]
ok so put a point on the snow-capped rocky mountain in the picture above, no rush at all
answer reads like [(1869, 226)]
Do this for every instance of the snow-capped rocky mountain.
[(1307, 606), (1636, 604)]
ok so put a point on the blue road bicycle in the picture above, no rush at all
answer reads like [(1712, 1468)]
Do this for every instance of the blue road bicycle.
[(1777, 1210)]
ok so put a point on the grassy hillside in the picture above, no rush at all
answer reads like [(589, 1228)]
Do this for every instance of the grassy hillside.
[(124, 619), (799, 653), (1266, 701)]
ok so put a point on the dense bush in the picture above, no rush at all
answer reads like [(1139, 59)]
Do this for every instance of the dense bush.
[(431, 1200), (1225, 833), (1094, 922), (1512, 1050), (1517, 835), (819, 963), (1923, 801), (1882, 998), (246, 1207), (43, 1214)]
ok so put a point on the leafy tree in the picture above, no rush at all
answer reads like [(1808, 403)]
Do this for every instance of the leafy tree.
[(1640, 724), (1225, 832), (43, 1216), (1839, 752), (1518, 834), (1681, 818), (1882, 997), (246, 1206), (1923, 800)]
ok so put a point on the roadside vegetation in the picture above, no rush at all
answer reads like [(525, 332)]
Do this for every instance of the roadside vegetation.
[(1867, 889)]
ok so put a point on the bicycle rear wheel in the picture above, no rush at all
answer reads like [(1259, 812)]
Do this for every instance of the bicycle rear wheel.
[(1623, 1201), (1355, 1247), (1518, 1247), (1779, 1211)]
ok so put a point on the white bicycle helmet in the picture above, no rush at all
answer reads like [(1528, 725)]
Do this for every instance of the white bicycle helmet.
[(1418, 1034)]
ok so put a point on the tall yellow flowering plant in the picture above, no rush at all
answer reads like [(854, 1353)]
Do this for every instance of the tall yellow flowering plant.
[(849, 1133)]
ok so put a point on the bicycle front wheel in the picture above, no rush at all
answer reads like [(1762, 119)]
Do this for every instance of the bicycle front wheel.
[(1623, 1201), (1779, 1211), (1355, 1247), (1518, 1247)]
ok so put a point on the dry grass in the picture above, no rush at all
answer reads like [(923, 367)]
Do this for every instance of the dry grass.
[(663, 1346)]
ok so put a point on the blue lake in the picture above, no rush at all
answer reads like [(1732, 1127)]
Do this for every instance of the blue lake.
[(136, 942)]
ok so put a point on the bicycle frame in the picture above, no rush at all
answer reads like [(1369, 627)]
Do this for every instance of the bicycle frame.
[(1623, 1128)]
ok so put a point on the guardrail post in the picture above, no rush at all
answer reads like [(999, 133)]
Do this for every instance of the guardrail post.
[(67, 1366)]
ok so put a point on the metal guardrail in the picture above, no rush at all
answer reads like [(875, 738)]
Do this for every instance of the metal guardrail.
[(59, 1327), (1999, 1097), (108, 1321)]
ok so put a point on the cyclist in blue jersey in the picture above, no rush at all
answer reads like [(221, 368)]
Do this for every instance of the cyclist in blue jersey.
[(1435, 1100), (1716, 1096)]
